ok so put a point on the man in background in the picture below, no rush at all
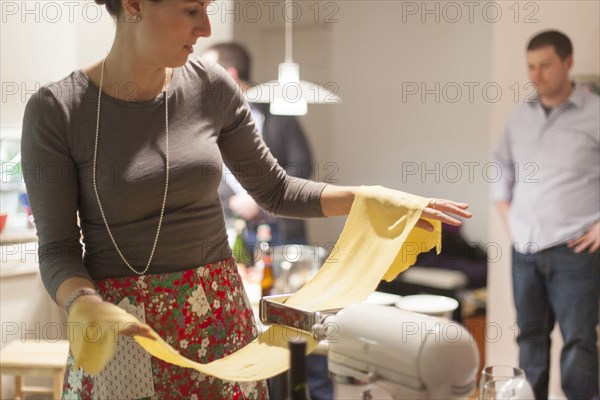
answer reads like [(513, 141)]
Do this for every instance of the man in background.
[(284, 137), (549, 200), (287, 142)]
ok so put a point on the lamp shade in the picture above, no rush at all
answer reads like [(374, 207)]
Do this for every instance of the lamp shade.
[(289, 95)]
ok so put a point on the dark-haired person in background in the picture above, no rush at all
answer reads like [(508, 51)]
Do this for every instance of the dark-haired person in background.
[(285, 138), (553, 218)]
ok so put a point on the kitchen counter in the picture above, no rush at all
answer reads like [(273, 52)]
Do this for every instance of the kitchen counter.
[(25, 236), (18, 252)]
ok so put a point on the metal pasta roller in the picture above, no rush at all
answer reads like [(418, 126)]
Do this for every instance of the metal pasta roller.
[(274, 311)]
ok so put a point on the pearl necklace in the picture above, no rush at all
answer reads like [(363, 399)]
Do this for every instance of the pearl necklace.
[(164, 201)]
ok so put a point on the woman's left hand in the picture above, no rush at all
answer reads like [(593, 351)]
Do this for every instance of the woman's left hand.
[(444, 211)]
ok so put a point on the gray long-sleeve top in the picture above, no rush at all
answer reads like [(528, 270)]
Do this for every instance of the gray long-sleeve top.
[(209, 123)]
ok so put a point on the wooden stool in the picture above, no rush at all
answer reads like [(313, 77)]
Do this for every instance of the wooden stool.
[(33, 358)]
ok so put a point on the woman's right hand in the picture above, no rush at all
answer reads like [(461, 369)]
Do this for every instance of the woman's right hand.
[(91, 309), (444, 211), (94, 330), (94, 311)]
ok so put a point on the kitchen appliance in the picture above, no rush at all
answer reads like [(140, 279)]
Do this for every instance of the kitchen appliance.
[(409, 355)]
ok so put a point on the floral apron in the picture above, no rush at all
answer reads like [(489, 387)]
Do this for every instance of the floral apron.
[(203, 313)]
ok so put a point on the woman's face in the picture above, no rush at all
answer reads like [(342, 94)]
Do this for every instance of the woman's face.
[(169, 29)]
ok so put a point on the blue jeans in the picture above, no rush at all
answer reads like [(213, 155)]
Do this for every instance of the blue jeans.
[(558, 285)]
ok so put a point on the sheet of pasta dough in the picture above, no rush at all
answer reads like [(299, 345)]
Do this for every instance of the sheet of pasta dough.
[(378, 242)]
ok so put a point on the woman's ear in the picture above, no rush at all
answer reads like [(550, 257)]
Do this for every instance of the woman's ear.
[(132, 7)]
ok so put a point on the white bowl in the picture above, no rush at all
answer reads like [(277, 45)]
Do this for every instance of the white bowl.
[(382, 299), (437, 306)]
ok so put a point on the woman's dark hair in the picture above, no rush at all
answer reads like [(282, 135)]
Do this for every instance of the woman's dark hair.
[(114, 7)]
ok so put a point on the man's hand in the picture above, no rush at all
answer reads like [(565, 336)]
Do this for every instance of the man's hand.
[(589, 240), (503, 207), (244, 206)]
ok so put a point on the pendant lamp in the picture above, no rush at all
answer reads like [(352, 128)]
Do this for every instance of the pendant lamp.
[(289, 95)]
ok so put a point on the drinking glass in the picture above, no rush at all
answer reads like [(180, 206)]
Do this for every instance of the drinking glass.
[(490, 390), (498, 374)]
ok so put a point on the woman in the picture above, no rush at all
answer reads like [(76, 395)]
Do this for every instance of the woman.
[(140, 165)]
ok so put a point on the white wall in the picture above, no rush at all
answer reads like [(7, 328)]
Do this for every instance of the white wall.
[(423, 144), (579, 20), (374, 135), (37, 47)]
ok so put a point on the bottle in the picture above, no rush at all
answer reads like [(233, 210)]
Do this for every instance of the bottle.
[(265, 258), (240, 249), (298, 378)]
